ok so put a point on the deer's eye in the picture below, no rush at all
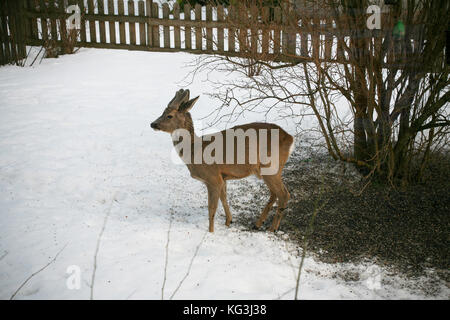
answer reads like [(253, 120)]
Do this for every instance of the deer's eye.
[(169, 116)]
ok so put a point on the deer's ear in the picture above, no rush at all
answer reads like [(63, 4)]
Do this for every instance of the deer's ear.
[(187, 106)]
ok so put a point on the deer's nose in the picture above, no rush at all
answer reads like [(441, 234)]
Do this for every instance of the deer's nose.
[(154, 125)]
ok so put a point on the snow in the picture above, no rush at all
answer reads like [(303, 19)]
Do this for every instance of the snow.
[(85, 182)]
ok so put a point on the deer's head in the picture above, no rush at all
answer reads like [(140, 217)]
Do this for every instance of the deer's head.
[(176, 114)]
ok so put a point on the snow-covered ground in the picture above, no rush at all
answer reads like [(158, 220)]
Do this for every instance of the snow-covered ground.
[(86, 185)]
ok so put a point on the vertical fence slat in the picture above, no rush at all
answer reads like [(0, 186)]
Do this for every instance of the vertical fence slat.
[(328, 39), (4, 34), (26, 20), (198, 30), (141, 13), (3, 59), (121, 11), (12, 37), (62, 20), (254, 30), (231, 30), (132, 25), (304, 37), (83, 21), (276, 35), (112, 24), (155, 14), (101, 11), (220, 33), (92, 32), (166, 28), (21, 29), (265, 30), (52, 10), (340, 50), (187, 30), (148, 14), (177, 33), (33, 21), (44, 28), (209, 36), (2, 52), (242, 31), (316, 38)]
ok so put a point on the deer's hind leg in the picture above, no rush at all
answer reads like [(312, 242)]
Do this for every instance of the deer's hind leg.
[(278, 188), (266, 210), (226, 208)]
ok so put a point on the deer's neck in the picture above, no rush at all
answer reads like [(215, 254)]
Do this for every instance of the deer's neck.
[(192, 137)]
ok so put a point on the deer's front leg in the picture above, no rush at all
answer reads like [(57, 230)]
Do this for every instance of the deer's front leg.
[(213, 199)]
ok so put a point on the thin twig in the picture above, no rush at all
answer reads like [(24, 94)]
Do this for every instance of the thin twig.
[(35, 273), (167, 255), (98, 245), (317, 208), (190, 266)]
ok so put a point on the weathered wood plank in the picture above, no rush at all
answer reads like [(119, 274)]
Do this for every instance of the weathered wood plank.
[(62, 21), (198, 29), (316, 38), (102, 25), (155, 15), (83, 21), (265, 30), (166, 28), (187, 29), (148, 14), (304, 37), (328, 40), (44, 25), (121, 11), (231, 30), (92, 27), (141, 13), (132, 25), (177, 33), (277, 31), (112, 24), (53, 28), (209, 35), (220, 32)]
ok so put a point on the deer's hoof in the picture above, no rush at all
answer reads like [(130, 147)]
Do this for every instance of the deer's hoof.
[(227, 223)]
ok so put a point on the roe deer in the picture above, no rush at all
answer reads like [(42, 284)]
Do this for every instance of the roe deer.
[(176, 117)]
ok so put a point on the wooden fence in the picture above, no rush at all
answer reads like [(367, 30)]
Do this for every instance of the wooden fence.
[(12, 41), (144, 25)]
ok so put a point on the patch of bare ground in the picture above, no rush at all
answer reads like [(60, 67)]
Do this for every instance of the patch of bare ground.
[(404, 230)]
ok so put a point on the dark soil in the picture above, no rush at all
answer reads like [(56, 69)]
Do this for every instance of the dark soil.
[(405, 230)]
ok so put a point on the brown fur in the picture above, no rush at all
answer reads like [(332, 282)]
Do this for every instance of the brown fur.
[(214, 176)]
